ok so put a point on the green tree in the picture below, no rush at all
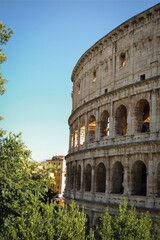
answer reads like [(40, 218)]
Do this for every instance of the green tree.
[(20, 177), (127, 226), (48, 222), (5, 35), (23, 189)]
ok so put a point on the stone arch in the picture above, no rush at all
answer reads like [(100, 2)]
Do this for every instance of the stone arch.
[(104, 124), (117, 178), (139, 178), (88, 177), (76, 136), (121, 120), (142, 115), (82, 132), (79, 177), (100, 178), (92, 128), (158, 180)]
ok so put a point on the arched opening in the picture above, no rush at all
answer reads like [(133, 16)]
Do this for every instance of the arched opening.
[(142, 116), (79, 178), (139, 178), (117, 178), (87, 225), (92, 128), (82, 132), (121, 120), (123, 59), (88, 173), (76, 136), (158, 180), (97, 223), (72, 177), (104, 124), (100, 178)]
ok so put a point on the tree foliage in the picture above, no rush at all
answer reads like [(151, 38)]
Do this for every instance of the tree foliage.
[(20, 177), (127, 226), (48, 222), (5, 35)]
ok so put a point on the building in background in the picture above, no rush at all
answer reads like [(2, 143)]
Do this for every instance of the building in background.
[(60, 175)]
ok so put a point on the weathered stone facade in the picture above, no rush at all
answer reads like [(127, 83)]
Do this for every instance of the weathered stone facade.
[(114, 147)]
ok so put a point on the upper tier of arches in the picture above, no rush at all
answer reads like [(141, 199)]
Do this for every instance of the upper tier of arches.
[(122, 119)]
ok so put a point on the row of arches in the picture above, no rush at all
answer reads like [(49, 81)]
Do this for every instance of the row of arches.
[(138, 181), (141, 119)]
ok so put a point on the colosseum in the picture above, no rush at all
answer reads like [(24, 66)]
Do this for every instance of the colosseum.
[(114, 146)]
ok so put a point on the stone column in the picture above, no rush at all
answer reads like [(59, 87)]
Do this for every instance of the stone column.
[(69, 177), (107, 190), (151, 182), (86, 128), (82, 179), (73, 135), (129, 117), (67, 180), (79, 125), (70, 138), (111, 124), (93, 182), (100, 77), (131, 60), (97, 125), (114, 61), (126, 190), (75, 178), (153, 111)]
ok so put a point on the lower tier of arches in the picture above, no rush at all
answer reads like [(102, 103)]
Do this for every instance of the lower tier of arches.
[(109, 174), (93, 209)]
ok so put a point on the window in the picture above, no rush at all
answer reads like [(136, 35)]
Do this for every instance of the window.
[(79, 89), (123, 60), (142, 77), (104, 124), (121, 120), (142, 114), (94, 76), (106, 90)]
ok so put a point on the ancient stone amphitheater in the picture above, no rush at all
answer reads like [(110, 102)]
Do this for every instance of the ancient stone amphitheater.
[(114, 147)]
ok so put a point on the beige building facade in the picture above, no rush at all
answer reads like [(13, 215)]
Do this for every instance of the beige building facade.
[(60, 176), (114, 146)]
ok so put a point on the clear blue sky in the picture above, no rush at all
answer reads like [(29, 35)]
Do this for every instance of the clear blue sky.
[(49, 38)]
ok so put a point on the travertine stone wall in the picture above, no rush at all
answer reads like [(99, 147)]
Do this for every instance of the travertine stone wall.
[(114, 146)]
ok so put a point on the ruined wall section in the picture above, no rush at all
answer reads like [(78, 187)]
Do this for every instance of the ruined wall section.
[(122, 57), (114, 145)]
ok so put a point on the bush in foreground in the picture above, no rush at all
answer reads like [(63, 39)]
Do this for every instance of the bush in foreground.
[(126, 225)]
